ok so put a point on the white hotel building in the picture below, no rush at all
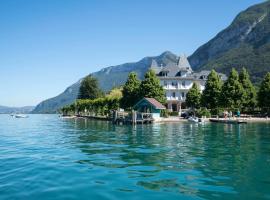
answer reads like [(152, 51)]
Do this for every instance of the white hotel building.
[(177, 79)]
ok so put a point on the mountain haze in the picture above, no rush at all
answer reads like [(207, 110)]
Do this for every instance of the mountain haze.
[(8, 110), (108, 78), (245, 43)]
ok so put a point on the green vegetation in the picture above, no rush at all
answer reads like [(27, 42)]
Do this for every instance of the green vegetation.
[(264, 94), (212, 91), (237, 93), (232, 95), (95, 107), (125, 97), (244, 43), (193, 98), (203, 112), (134, 90), (131, 93), (250, 95), (89, 88), (150, 87)]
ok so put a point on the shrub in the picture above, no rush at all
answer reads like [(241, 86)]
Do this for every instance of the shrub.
[(164, 113), (203, 112), (174, 113)]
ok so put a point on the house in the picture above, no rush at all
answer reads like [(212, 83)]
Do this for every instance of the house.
[(177, 79), (150, 105)]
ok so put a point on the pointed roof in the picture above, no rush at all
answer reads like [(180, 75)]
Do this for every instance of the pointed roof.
[(154, 63), (154, 66), (183, 63)]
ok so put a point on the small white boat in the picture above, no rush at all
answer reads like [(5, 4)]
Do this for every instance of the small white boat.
[(67, 117), (21, 116), (195, 120)]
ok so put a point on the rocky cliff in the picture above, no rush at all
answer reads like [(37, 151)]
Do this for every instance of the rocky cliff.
[(245, 43)]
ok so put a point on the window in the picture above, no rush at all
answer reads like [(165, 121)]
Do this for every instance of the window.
[(164, 73), (173, 95), (183, 95), (184, 84), (174, 83), (165, 83)]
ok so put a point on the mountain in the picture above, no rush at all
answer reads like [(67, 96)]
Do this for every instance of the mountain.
[(244, 43), (8, 110), (108, 78)]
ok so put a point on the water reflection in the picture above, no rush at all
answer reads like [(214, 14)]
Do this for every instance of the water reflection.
[(202, 160)]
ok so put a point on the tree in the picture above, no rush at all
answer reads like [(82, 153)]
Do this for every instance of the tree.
[(89, 88), (264, 94), (212, 91), (116, 92), (130, 91), (193, 98), (150, 87), (250, 95), (232, 94)]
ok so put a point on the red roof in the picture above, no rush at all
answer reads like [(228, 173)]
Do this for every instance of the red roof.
[(155, 103)]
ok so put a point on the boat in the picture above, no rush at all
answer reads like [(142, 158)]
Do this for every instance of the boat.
[(195, 119), (21, 116), (229, 121), (67, 116)]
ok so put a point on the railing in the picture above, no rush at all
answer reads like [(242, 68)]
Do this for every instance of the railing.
[(176, 87)]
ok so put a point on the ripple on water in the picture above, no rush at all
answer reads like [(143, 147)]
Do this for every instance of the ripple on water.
[(44, 157)]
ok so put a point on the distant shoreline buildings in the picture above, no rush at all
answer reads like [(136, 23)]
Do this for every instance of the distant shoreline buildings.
[(177, 79)]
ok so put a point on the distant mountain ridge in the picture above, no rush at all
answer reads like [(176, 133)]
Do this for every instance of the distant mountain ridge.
[(108, 77), (23, 110), (244, 43)]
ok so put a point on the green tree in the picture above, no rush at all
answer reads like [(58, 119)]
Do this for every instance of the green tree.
[(89, 88), (130, 91), (250, 95), (193, 98), (232, 94), (264, 94), (150, 87), (212, 91)]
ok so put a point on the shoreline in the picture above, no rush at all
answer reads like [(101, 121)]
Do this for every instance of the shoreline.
[(176, 119)]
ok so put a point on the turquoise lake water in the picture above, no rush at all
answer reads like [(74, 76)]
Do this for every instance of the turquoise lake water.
[(45, 157)]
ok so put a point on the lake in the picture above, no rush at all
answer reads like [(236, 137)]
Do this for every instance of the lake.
[(46, 157)]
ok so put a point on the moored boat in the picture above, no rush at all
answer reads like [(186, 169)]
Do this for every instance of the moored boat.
[(195, 119), (229, 121), (21, 116)]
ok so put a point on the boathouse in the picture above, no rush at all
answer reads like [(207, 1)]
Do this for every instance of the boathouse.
[(150, 105)]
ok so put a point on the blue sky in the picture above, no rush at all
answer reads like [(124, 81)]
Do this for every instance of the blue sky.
[(46, 45)]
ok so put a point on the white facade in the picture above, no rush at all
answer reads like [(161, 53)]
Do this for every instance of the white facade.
[(177, 79), (177, 89)]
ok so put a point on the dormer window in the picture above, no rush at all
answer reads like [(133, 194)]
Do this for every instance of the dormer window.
[(164, 73), (203, 77)]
